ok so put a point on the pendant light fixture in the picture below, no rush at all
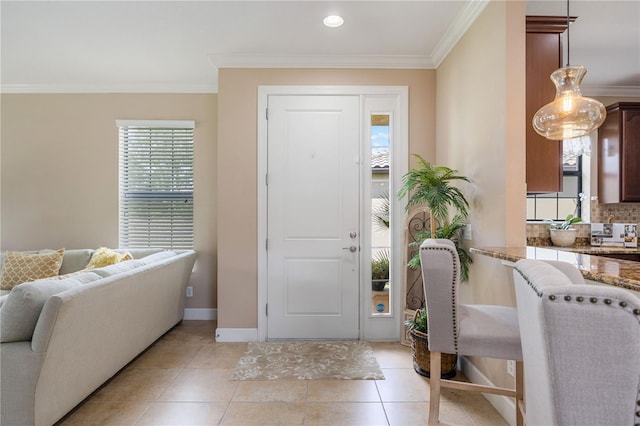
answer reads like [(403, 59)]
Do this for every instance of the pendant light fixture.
[(569, 115)]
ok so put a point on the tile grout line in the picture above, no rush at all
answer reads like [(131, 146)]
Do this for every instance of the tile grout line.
[(384, 409), (306, 404)]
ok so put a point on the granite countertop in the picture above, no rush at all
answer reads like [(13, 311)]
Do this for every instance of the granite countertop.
[(621, 273), (599, 250)]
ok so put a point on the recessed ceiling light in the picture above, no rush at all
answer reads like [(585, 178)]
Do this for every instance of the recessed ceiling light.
[(333, 21)]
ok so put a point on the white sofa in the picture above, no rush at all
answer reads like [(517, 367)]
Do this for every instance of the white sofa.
[(94, 324)]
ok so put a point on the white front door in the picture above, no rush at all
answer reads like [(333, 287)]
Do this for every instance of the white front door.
[(313, 199)]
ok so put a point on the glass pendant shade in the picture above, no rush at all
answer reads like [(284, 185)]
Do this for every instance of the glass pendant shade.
[(573, 148), (569, 115)]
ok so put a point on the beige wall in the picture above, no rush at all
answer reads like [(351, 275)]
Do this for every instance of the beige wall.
[(481, 132), (59, 172), (237, 162)]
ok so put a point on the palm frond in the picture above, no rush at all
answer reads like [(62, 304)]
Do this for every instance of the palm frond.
[(380, 215), (432, 185)]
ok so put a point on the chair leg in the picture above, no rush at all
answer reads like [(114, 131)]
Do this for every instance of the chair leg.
[(520, 408), (434, 386)]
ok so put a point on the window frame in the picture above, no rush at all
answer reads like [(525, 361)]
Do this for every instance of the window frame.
[(577, 172)]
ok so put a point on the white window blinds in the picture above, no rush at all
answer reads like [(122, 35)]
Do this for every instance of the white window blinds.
[(156, 183)]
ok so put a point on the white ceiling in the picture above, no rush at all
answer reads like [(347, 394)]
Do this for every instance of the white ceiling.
[(177, 46)]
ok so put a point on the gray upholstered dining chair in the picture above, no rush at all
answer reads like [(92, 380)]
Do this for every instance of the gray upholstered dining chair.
[(581, 347), (472, 330)]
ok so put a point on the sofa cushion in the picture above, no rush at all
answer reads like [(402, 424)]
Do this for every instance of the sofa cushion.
[(62, 276), (19, 267), (139, 252), (20, 311), (75, 260), (152, 258), (125, 266), (105, 257)]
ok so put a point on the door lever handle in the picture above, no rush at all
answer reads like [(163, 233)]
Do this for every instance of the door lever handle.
[(352, 249)]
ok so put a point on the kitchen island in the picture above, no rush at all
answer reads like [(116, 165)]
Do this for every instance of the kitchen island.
[(591, 261)]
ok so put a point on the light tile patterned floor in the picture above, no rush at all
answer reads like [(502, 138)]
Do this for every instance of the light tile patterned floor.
[(182, 380)]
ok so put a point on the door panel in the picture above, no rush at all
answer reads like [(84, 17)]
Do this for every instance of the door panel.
[(313, 217), (313, 286)]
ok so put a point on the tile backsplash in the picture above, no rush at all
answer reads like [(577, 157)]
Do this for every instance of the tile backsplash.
[(538, 233), (620, 213)]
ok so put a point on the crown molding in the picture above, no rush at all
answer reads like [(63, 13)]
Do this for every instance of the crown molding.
[(614, 91), (320, 61), (110, 88), (457, 29)]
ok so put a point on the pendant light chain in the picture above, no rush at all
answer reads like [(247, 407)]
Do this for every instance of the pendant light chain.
[(568, 38)]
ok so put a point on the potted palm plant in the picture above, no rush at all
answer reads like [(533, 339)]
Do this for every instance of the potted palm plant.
[(420, 348), (453, 231), (433, 186)]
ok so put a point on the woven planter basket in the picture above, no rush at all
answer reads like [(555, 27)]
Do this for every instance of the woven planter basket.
[(421, 354)]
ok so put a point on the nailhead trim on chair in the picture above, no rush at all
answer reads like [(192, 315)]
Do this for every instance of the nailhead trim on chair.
[(453, 296), (533, 287), (622, 304)]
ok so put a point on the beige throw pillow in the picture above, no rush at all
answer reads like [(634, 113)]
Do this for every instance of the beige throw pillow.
[(19, 267)]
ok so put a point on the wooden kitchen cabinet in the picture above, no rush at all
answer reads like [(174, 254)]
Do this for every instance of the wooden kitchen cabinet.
[(619, 154), (543, 56)]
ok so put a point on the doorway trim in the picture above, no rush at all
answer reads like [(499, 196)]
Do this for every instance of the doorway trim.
[(400, 161)]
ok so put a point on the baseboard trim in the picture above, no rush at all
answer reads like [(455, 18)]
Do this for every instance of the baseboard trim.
[(505, 405), (201, 314), (236, 335)]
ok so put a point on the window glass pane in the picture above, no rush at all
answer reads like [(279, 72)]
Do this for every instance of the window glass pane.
[(531, 208), (546, 208), (569, 187), (566, 206), (380, 207), (379, 188), (380, 139)]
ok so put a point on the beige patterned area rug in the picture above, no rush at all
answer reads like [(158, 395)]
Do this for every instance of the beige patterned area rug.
[(308, 360)]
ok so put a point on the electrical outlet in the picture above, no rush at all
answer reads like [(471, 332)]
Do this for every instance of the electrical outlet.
[(511, 367), (189, 291)]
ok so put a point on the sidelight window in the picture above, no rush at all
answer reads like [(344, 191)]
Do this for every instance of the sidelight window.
[(380, 208)]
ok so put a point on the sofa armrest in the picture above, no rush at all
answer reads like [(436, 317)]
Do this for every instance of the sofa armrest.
[(44, 326), (20, 369)]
